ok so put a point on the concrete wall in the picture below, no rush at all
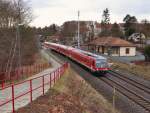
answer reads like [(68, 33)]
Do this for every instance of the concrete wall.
[(132, 51)]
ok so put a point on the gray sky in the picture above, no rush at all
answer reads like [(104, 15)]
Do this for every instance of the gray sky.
[(47, 12)]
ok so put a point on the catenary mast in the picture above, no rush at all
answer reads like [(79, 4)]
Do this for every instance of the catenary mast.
[(78, 29)]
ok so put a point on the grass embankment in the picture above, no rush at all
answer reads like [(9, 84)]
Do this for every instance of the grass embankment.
[(139, 70), (71, 94)]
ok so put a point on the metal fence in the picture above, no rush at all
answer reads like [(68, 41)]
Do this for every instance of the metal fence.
[(19, 73), (17, 95)]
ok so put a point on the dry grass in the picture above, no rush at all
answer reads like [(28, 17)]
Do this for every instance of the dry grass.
[(71, 94), (140, 70), (73, 84)]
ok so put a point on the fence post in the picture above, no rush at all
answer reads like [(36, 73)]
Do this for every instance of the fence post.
[(27, 70), (50, 80), (58, 73), (16, 74), (13, 99), (43, 84), (40, 67), (36, 68), (61, 70), (54, 77), (3, 84), (30, 70), (31, 90)]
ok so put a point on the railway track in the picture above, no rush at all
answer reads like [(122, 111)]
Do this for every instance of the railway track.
[(143, 105), (129, 92), (131, 81)]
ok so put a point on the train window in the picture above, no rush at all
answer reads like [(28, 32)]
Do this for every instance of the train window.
[(101, 63)]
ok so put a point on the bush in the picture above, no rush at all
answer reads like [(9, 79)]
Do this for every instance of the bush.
[(147, 53)]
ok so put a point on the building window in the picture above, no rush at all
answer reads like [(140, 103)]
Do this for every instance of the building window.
[(115, 50), (127, 50)]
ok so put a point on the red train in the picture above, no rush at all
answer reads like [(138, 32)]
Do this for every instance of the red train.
[(93, 62)]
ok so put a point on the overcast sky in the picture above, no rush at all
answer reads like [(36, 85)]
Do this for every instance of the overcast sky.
[(47, 12)]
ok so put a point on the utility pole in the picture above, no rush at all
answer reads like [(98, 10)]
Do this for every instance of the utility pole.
[(19, 49), (114, 95), (78, 29)]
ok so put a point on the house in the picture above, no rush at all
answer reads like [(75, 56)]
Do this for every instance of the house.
[(94, 27), (137, 37), (112, 46)]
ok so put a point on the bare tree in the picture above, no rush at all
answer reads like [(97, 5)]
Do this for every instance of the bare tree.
[(14, 12), (5, 13), (23, 13)]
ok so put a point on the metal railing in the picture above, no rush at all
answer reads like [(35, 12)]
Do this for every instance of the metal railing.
[(26, 91), (21, 73)]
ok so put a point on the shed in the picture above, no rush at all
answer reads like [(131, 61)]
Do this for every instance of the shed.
[(112, 46)]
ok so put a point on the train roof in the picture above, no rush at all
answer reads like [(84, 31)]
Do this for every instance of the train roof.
[(79, 50), (63, 46), (91, 54)]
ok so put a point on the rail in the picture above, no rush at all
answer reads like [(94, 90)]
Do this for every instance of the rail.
[(129, 93), (20, 73), (26, 91)]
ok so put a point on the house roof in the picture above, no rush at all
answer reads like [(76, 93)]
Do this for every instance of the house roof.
[(111, 41)]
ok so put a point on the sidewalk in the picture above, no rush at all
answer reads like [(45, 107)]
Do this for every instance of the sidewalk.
[(22, 101)]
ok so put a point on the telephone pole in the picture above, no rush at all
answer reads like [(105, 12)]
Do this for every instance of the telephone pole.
[(114, 95)]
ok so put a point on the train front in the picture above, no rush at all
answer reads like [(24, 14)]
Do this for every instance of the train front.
[(101, 65)]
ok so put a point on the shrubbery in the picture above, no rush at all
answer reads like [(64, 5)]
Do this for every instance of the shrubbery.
[(147, 53)]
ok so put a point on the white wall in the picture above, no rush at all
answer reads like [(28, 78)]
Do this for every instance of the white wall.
[(115, 54), (132, 51)]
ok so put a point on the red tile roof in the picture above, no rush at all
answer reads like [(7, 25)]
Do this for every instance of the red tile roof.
[(111, 41)]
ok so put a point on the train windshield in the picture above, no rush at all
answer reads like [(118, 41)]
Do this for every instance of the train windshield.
[(101, 63)]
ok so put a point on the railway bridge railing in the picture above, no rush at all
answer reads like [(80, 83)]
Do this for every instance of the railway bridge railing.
[(17, 95)]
